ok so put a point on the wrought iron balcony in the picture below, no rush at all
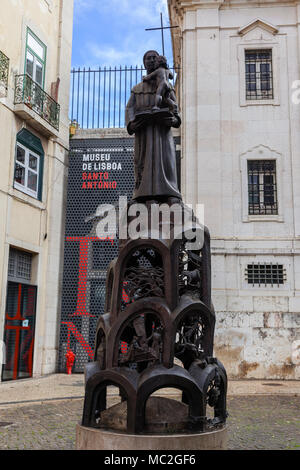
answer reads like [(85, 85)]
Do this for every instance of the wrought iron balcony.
[(4, 66), (32, 95)]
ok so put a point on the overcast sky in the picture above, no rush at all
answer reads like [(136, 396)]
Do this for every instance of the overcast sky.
[(112, 32)]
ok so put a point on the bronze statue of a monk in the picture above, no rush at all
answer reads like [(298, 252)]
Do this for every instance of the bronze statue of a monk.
[(154, 156)]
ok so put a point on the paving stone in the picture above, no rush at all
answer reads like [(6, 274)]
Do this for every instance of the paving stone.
[(255, 422)]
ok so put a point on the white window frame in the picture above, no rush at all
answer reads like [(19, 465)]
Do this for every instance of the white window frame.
[(261, 186), (260, 152), (24, 188), (36, 57), (14, 257), (258, 81), (274, 47)]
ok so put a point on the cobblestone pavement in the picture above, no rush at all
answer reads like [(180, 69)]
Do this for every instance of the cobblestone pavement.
[(255, 422), (264, 422)]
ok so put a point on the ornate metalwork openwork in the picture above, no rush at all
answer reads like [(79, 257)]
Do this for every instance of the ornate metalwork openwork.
[(143, 275), (30, 93)]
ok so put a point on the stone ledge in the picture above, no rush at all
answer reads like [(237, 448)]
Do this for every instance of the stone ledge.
[(98, 439), (101, 133), (35, 120)]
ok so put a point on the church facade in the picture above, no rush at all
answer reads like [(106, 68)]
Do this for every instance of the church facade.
[(240, 147)]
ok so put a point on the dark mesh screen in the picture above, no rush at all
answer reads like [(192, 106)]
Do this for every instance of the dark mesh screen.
[(85, 258)]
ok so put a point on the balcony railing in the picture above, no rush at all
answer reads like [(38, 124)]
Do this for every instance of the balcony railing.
[(4, 66), (32, 95)]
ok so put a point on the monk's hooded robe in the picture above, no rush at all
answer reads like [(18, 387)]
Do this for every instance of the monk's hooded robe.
[(154, 152)]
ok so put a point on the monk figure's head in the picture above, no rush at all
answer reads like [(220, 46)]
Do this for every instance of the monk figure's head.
[(150, 60)]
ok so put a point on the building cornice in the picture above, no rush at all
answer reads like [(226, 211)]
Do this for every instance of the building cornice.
[(179, 6), (258, 22)]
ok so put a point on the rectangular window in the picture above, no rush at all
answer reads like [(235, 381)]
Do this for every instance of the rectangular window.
[(262, 188), (265, 274), (26, 177), (259, 74), (35, 58), (19, 265)]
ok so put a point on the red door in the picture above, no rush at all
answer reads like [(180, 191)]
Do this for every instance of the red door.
[(19, 331)]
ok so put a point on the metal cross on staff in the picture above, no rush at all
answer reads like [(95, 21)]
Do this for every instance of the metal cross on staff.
[(162, 27)]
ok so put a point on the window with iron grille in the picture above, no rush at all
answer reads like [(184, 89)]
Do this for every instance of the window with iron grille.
[(19, 265), (259, 74), (263, 274), (262, 188)]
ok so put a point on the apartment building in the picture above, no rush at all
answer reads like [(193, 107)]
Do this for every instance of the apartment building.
[(35, 61)]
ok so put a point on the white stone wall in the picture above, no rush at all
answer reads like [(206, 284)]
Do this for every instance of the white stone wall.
[(257, 327)]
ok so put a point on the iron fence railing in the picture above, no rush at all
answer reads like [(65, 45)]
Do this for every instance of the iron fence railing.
[(30, 93), (98, 97), (4, 67)]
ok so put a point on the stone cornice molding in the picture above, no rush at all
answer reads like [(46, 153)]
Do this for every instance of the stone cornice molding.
[(202, 3), (260, 151), (181, 5), (176, 19), (258, 23)]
